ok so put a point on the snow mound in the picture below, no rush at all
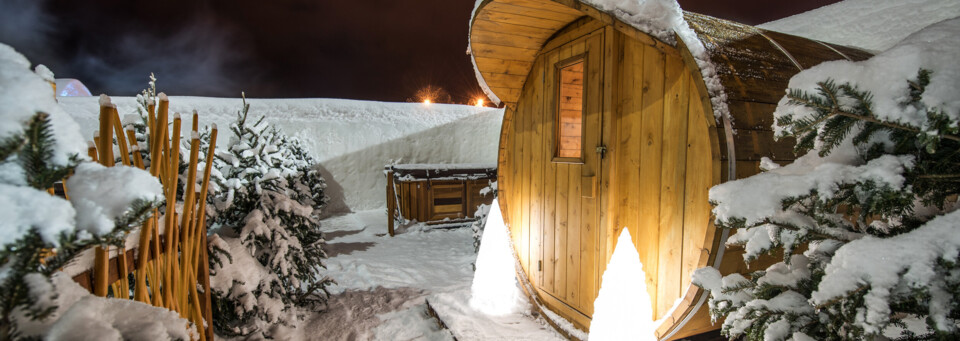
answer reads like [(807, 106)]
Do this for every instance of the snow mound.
[(868, 24), (351, 139)]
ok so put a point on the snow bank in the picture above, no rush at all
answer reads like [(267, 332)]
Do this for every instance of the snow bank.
[(868, 24), (885, 75), (352, 140), (622, 310)]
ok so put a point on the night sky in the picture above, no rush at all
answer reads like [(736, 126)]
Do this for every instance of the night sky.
[(365, 49)]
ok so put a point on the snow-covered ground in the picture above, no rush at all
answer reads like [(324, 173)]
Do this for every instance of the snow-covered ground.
[(874, 25), (384, 284), (352, 140)]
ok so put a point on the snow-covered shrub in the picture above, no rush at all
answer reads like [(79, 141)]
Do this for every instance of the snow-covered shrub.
[(269, 197), (872, 202), (481, 215), (39, 232)]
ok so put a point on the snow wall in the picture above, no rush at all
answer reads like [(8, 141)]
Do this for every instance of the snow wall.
[(351, 139)]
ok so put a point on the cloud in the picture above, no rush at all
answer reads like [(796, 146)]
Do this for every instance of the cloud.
[(201, 55), (202, 58)]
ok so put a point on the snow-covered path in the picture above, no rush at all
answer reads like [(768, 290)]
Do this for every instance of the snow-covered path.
[(383, 285)]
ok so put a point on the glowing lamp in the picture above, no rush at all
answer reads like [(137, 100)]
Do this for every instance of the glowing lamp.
[(479, 102), (426, 101)]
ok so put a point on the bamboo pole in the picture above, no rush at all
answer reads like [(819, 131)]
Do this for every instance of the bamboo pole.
[(101, 267), (92, 151), (121, 139), (135, 148), (203, 270), (159, 136), (157, 264), (187, 214), (124, 269), (140, 290), (171, 227)]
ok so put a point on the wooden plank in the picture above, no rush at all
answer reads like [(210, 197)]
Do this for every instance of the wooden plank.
[(650, 154), (540, 5), (495, 15), (503, 52), (494, 26), (574, 211), (699, 179), (563, 228), (537, 116), (540, 12), (502, 78), (628, 157), (505, 39), (676, 100), (575, 30), (391, 203), (496, 65), (506, 94), (589, 236), (524, 110), (550, 235), (609, 182)]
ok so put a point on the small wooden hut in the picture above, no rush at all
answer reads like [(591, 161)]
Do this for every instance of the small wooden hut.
[(607, 127)]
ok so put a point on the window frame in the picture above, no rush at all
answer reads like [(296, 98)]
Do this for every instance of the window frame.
[(580, 58)]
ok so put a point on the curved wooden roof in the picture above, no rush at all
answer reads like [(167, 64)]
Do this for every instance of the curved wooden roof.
[(753, 64)]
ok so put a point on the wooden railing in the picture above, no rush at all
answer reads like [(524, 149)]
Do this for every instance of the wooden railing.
[(168, 261)]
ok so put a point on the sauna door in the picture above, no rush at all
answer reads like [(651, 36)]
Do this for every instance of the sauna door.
[(572, 115)]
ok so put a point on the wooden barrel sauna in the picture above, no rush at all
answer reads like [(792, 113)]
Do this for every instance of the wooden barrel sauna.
[(607, 127)]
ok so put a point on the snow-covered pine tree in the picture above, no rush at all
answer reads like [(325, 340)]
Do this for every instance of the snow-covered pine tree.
[(873, 209), (35, 248), (269, 199)]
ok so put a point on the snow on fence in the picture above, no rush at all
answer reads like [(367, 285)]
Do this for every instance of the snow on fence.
[(168, 254), (438, 195)]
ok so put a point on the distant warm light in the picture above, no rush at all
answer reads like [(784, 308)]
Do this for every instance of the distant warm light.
[(426, 101), (479, 102)]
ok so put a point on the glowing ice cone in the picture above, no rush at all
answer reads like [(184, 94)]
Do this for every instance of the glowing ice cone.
[(495, 290), (622, 310)]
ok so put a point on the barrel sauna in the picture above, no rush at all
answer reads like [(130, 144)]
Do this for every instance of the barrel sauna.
[(607, 127)]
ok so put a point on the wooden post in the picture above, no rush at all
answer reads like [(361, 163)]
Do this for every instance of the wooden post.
[(391, 201), (105, 149)]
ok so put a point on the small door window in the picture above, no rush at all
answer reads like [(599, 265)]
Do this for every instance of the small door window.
[(570, 109)]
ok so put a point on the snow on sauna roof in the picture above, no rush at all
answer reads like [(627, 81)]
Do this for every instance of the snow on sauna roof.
[(869, 24), (737, 62)]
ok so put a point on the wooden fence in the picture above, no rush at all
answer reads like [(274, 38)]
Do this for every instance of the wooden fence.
[(168, 262)]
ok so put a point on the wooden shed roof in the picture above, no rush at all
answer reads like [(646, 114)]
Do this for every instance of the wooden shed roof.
[(753, 64)]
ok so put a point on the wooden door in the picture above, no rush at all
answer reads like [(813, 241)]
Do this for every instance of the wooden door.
[(569, 239)]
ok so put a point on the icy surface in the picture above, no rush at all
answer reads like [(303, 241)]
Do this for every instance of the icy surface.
[(622, 310), (383, 284), (869, 24), (352, 140)]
